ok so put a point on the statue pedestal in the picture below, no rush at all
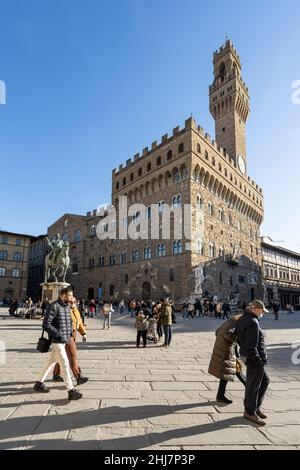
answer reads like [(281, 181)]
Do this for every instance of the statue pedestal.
[(51, 290)]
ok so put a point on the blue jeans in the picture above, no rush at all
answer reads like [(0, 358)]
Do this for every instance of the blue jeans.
[(168, 334)]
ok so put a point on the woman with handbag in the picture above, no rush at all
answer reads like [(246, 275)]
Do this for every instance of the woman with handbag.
[(225, 363)]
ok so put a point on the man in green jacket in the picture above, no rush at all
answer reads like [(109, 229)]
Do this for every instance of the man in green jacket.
[(166, 321)]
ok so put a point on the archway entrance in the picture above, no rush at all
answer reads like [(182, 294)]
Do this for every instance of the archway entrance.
[(146, 291), (91, 293)]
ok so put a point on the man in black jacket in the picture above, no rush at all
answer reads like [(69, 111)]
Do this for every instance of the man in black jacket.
[(253, 351), (58, 324)]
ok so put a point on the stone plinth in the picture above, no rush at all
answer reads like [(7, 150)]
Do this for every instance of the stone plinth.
[(51, 290)]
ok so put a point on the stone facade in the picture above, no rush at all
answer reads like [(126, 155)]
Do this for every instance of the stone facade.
[(36, 267), (13, 265), (200, 177)]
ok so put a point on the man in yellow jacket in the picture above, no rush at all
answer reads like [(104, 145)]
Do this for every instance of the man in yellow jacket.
[(71, 350)]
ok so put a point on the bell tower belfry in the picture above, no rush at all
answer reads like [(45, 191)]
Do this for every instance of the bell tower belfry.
[(229, 102)]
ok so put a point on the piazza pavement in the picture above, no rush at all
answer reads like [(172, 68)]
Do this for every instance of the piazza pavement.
[(153, 398)]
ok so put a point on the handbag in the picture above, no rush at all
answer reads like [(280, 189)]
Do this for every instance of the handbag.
[(43, 345)]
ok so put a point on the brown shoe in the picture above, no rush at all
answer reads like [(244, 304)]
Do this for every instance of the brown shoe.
[(260, 414), (255, 419)]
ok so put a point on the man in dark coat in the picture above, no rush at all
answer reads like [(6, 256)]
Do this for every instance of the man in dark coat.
[(253, 351), (58, 324)]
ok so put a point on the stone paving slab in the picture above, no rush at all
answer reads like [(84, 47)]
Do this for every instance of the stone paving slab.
[(153, 398)]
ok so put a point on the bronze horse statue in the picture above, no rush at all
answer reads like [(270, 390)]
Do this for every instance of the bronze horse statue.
[(57, 265)]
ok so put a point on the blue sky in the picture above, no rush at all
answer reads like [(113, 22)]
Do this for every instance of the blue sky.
[(90, 83)]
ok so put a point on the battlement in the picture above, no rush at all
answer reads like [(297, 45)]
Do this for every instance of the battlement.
[(224, 49), (190, 123), (165, 139), (100, 211)]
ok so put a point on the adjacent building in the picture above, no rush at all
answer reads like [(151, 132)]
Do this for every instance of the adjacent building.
[(36, 267), (14, 260), (281, 270)]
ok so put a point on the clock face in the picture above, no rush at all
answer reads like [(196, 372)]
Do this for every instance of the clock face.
[(241, 164)]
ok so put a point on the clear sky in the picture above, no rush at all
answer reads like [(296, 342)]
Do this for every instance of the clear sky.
[(91, 82)]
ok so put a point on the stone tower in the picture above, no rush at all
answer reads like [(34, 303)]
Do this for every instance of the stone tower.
[(229, 104)]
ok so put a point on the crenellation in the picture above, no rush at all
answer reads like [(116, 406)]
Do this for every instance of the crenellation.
[(136, 157), (176, 131), (201, 131), (145, 151), (208, 138), (154, 145), (164, 138)]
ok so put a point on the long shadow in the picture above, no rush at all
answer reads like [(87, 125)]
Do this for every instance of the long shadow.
[(135, 442), (23, 426)]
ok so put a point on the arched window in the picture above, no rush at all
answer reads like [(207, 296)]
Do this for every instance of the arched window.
[(65, 237), (112, 260), (17, 256), (126, 279), (158, 161), (131, 176), (140, 172), (206, 155), (77, 236), (220, 167), (117, 185), (177, 247), (176, 201), (181, 147), (101, 261), (149, 166), (161, 250), (210, 208), (213, 160), (161, 206), (200, 202), (3, 255), (135, 255), (200, 247), (147, 253), (123, 257), (220, 278), (198, 148), (15, 272), (211, 250), (221, 252), (93, 230), (148, 212), (2, 272), (169, 155), (225, 172), (177, 177), (124, 181), (136, 217)]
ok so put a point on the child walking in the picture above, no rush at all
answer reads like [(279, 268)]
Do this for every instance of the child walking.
[(141, 324)]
